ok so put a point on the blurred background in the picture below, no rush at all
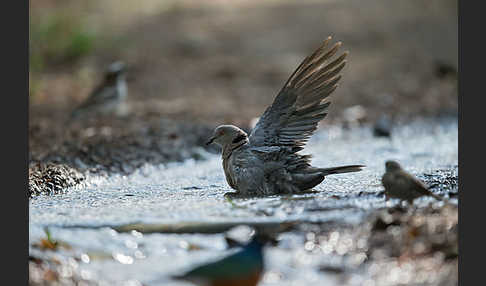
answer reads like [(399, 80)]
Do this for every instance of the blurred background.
[(197, 64)]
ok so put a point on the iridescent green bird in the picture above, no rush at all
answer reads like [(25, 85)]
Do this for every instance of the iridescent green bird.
[(243, 268)]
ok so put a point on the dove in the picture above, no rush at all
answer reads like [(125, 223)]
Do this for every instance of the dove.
[(109, 96), (401, 185), (244, 267), (268, 161)]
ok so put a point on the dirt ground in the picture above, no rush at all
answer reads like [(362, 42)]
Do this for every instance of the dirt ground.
[(203, 62), (196, 64)]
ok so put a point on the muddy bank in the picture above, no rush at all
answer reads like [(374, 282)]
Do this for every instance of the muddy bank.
[(52, 178), (62, 152)]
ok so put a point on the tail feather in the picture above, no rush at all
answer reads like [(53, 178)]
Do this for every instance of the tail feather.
[(341, 169), (437, 197), (431, 194)]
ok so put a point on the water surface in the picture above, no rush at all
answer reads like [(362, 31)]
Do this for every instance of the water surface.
[(193, 192)]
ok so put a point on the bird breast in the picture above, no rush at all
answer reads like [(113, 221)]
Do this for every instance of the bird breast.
[(228, 171)]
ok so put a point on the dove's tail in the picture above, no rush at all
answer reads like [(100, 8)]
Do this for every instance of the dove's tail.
[(341, 169), (439, 198)]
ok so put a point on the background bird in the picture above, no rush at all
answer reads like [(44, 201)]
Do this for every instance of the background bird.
[(401, 185), (383, 127), (243, 268), (109, 97), (267, 161)]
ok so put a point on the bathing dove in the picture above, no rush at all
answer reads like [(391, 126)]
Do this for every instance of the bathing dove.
[(109, 96), (268, 161), (401, 185)]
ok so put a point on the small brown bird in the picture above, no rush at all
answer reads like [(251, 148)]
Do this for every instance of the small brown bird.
[(401, 185), (109, 97)]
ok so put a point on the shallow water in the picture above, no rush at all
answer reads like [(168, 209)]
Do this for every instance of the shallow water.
[(193, 192)]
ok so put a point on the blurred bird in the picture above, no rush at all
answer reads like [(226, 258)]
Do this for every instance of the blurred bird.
[(109, 96), (243, 268), (401, 185), (267, 162)]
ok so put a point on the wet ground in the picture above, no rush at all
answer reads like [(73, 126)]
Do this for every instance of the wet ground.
[(62, 157), (139, 228)]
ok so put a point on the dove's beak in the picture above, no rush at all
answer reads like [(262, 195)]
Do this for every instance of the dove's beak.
[(210, 141)]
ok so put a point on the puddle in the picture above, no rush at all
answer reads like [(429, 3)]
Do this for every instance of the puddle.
[(192, 192)]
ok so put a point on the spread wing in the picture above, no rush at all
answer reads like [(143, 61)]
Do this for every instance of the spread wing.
[(298, 108)]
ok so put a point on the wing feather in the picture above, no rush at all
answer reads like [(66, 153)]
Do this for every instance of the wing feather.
[(299, 106)]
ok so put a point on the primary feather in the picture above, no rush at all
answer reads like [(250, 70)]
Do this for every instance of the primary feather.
[(293, 116)]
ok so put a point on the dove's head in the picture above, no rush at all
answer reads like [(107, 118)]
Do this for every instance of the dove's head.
[(391, 166), (227, 134)]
